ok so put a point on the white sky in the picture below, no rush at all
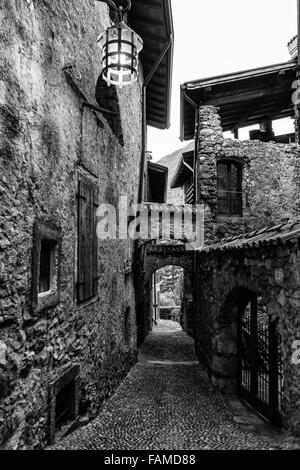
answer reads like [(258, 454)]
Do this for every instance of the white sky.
[(213, 37)]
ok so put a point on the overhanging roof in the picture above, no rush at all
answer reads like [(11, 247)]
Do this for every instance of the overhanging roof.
[(243, 98), (152, 20), (268, 236), (184, 170), (157, 167)]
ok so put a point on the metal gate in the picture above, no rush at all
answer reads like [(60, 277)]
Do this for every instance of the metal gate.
[(260, 376)]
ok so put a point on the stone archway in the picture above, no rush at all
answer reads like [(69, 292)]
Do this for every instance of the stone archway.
[(160, 256), (156, 257), (247, 355)]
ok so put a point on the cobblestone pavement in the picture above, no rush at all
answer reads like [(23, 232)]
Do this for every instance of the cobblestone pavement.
[(165, 403)]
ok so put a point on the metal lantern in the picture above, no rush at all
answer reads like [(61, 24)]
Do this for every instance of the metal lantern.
[(120, 47)]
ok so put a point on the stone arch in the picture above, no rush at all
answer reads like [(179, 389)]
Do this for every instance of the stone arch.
[(233, 158), (225, 336), (107, 98), (154, 263)]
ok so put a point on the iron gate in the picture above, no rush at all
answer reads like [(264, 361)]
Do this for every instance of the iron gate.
[(260, 363)]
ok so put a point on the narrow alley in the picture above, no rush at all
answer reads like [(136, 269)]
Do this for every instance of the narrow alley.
[(165, 403)]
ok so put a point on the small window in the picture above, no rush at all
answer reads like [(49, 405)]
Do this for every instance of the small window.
[(46, 265), (230, 198)]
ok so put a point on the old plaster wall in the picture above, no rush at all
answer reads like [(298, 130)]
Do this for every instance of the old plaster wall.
[(222, 281), (271, 179), (47, 138)]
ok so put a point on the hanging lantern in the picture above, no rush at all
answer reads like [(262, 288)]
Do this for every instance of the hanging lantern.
[(120, 47)]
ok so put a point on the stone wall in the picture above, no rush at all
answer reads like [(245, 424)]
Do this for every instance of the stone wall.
[(224, 280), (271, 179), (48, 138)]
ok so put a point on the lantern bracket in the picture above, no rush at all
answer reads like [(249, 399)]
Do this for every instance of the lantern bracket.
[(118, 9)]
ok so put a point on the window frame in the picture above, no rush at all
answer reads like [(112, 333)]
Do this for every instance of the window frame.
[(229, 195), (44, 300)]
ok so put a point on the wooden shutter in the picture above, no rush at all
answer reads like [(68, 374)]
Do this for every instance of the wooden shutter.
[(87, 241)]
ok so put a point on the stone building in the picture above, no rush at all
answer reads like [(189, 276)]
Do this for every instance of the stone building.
[(247, 275), (243, 185), (67, 144), (74, 308)]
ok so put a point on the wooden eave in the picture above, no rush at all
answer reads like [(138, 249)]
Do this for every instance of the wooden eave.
[(152, 20), (243, 98), (184, 170)]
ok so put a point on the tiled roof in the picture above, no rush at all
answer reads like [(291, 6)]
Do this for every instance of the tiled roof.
[(269, 236), (292, 40)]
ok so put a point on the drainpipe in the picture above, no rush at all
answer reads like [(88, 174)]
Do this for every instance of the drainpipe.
[(196, 156), (144, 116), (144, 143), (196, 135), (297, 106)]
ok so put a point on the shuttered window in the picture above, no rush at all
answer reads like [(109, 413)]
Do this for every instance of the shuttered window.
[(230, 197), (87, 241)]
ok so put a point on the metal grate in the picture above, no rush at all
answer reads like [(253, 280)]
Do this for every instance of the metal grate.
[(263, 371), (260, 360)]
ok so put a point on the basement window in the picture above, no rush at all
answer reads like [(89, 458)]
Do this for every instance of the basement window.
[(64, 404), (46, 266)]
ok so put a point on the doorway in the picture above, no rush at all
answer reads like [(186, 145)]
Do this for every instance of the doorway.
[(260, 371)]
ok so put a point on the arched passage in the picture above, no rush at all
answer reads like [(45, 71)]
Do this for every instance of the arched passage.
[(247, 352), (169, 290), (154, 258)]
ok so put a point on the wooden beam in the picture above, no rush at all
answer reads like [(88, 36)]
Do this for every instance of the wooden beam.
[(245, 116), (227, 126), (231, 98)]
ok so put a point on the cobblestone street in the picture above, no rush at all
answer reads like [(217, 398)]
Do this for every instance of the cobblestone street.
[(165, 403)]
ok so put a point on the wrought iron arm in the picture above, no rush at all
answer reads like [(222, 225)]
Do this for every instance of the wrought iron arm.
[(119, 9)]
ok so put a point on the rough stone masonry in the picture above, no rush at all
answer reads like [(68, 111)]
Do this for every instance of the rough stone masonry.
[(270, 179), (49, 67)]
